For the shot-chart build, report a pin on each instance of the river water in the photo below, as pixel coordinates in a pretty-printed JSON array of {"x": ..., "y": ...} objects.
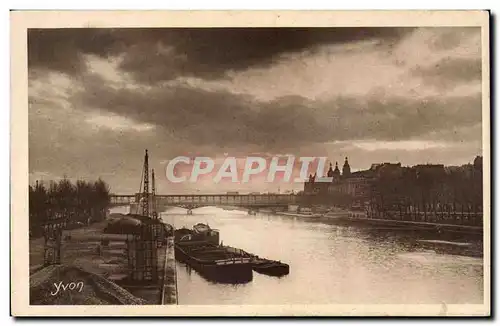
[{"x": 328, "y": 264}]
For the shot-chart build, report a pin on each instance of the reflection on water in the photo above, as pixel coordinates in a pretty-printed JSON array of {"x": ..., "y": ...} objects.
[{"x": 328, "y": 264}]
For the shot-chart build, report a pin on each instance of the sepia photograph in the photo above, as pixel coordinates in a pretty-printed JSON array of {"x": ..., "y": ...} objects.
[{"x": 321, "y": 163}]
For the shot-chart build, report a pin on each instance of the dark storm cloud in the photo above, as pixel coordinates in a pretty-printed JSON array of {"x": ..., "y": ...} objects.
[
  {"x": 202, "y": 52},
  {"x": 449, "y": 72},
  {"x": 224, "y": 119},
  {"x": 451, "y": 37},
  {"x": 61, "y": 49}
]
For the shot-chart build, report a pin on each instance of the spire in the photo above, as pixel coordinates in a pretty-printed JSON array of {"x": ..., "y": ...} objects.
[
  {"x": 336, "y": 172},
  {"x": 346, "y": 169},
  {"x": 330, "y": 171}
]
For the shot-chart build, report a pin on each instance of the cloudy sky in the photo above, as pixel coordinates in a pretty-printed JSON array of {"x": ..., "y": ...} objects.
[{"x": 99, "y": 97}]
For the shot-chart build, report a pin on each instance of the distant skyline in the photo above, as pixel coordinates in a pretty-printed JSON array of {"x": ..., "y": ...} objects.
[{"x": 99, "y": 97}]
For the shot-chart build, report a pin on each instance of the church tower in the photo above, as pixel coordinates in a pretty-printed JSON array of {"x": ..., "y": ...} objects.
[
  {"x": 336, "y": 172},
  {"x": 346, "y": 169},
  {"x": 330, "y": 171}
]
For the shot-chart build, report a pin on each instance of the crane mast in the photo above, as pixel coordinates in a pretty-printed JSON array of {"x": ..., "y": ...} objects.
[
  {"x": 154, "y": 213},
  {"x": 145, "y": 193}
]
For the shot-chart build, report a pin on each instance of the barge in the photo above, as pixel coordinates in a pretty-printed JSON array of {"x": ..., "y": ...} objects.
[
  {"x": 270, "y": 267},
  {"x": 199, "y": 249},
  {"x": 262, "y": 265},
  {"x": 199, "y": 233}
]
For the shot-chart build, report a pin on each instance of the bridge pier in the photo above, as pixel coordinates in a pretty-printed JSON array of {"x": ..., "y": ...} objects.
[
  {"x": 253, "y": 211},
  {"x": 189, "y": 211}
]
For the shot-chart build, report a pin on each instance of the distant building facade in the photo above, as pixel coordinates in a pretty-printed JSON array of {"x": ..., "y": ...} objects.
[
  {"x": 390, "y": 187},
  {"x": 345, "y": 189}
]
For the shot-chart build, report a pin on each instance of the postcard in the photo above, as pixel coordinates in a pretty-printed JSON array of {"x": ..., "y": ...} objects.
[{"x": 250, "y": 163}]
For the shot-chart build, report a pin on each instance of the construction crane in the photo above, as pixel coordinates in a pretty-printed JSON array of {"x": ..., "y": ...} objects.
[{"x": 142, "y": 248}]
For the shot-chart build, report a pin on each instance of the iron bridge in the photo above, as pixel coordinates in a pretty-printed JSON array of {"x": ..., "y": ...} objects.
[{"x": 200, "y": 200}]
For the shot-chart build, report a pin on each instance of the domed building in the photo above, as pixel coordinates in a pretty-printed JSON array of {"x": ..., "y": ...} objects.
[
  {"x": 391, "y": 191},
  {"x": 344, "y": 188}
]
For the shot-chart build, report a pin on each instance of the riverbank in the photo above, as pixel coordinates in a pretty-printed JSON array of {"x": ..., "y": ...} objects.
[
  {"x": 82, "y": 251},
  {"x": 448, "y": 232},
  {"x": 415, "y": 224},
  {"x": 294, "y": 214},
  {"x": 361, "y": 218},
  {"x": 169, "y": 293}
]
